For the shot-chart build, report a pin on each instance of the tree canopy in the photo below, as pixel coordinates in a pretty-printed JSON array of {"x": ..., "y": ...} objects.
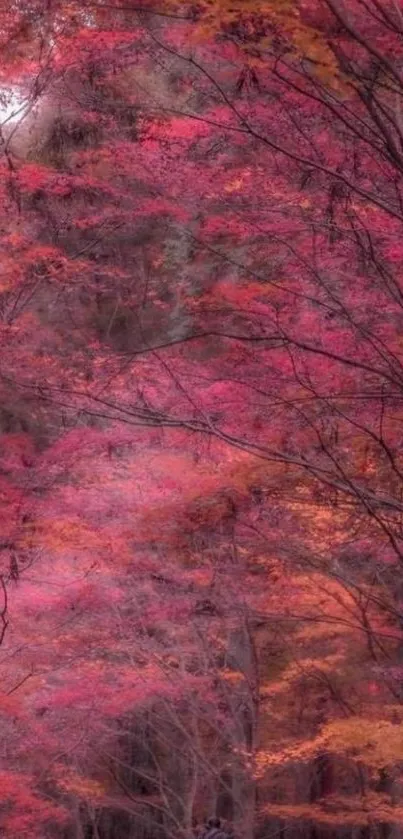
[{"x": 200, "y": 421}]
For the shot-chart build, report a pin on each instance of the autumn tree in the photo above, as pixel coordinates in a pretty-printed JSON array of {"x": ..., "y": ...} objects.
[{"x": 201, "y": 375}]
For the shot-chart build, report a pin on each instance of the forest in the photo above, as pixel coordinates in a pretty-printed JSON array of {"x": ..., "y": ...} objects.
[{"x": 201, "y": 424}]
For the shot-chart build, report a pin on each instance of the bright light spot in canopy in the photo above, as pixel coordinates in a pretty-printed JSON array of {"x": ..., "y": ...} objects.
[{"x": 13, "y": 104}]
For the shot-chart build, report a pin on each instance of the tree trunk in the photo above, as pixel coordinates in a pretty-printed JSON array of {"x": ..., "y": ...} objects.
[{"x": 242, "y": 658}]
